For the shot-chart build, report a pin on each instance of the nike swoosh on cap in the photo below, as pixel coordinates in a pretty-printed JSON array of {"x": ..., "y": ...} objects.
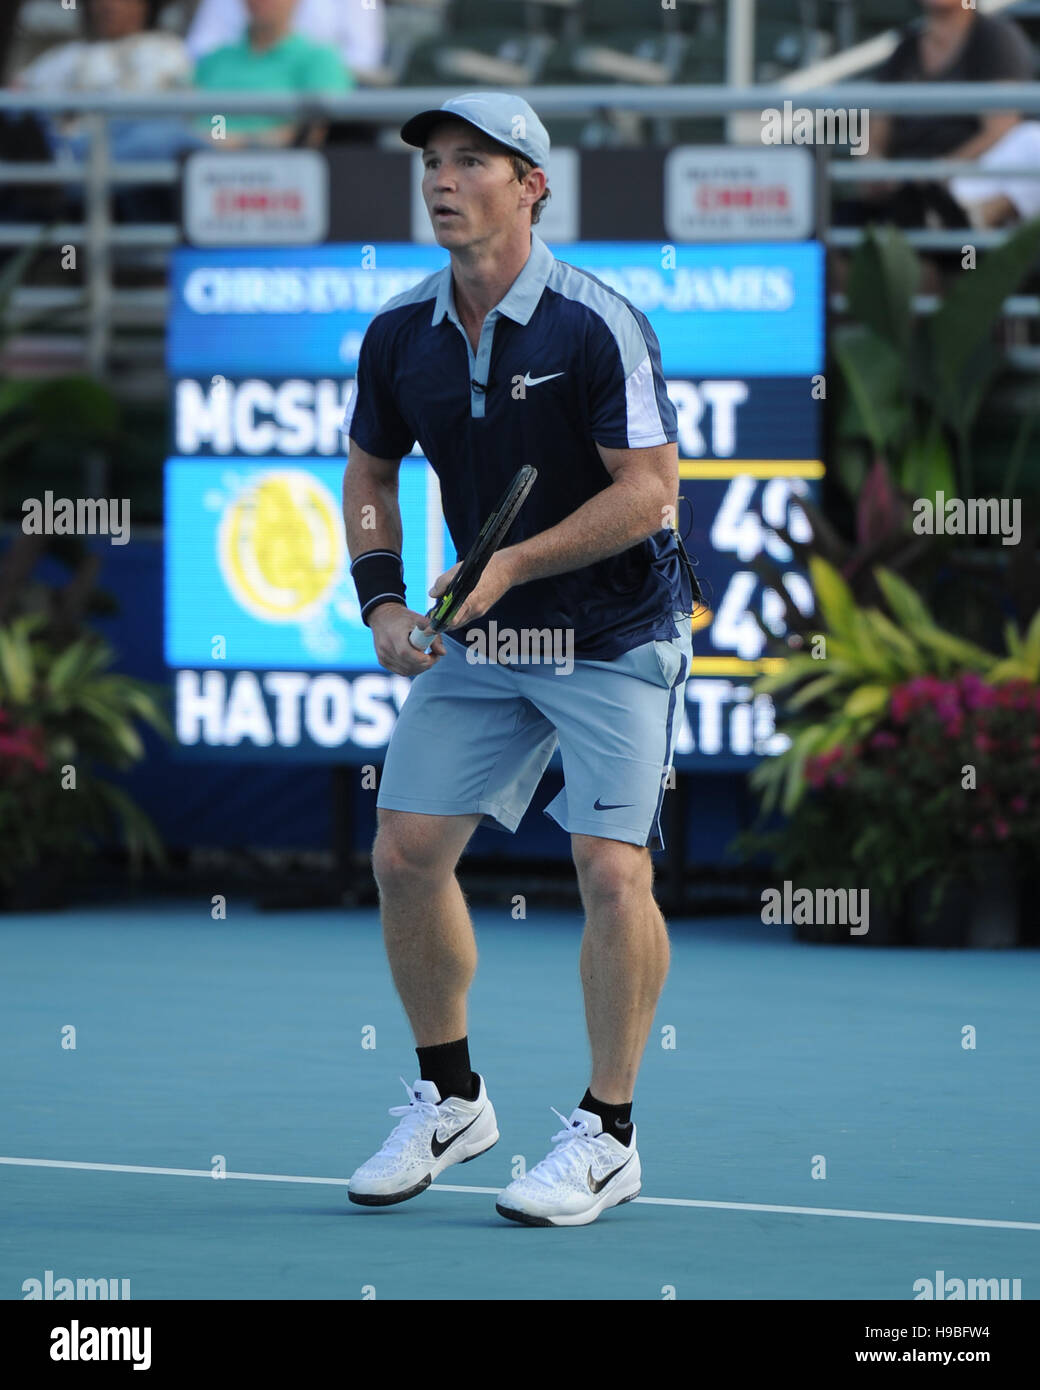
[
  {"x": 597, "y": 805},
  {"x": 530, "y": 380},
  {"x": 438, "y": 1146},
  {"x": 598, "y": 1186}
]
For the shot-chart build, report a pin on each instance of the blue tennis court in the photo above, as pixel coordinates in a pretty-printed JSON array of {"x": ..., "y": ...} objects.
[{"x": 243, "y": 1039}]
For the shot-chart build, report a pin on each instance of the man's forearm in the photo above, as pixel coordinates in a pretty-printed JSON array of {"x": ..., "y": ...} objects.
[
  {"x": 617, "y": 518},
  {"x": 371, "y": 514}
]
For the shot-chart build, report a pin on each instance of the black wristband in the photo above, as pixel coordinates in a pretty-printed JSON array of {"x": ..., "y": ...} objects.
[{"x": 379, "y": 578}]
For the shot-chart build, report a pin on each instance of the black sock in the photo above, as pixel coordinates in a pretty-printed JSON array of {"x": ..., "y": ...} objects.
[
  {"x": 617, "y": 1119},
  {"x": 447, "y": 1066}
]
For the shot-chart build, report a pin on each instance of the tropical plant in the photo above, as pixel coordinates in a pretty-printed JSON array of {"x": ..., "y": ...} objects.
[
  {"x": 65, "y": 718},
  {"x": 839, "y": 689},
  {"x": 914, "y": 385},
  {"x": 972, "y": 591},
  {"x": 948, "y": 779}
]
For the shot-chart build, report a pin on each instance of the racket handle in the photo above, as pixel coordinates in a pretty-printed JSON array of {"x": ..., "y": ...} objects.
[{"x": 421, "y": 638}]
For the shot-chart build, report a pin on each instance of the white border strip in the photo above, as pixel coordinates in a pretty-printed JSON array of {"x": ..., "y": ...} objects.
[{"x": 493, "y": 1191}]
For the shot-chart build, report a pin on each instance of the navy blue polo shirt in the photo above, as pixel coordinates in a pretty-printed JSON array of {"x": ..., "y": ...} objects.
[{"x": 565, "y": 362}]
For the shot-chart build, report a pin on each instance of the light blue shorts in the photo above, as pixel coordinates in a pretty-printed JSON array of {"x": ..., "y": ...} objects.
[{"x": 478, "y": 735}]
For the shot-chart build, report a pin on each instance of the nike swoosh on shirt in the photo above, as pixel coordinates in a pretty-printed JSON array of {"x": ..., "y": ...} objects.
[
  {"x": 598, "y": 1186},
  {"x": 438, "y": 1146},
  {"x": 597, "y": 805},
  {"x": 530, "y": 380}
]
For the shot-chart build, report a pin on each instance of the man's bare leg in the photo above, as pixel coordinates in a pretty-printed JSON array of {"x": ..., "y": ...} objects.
[
  {"x": 433, "y": 957},
  {"x": 624, "y": 960},
  {"x": 426, "y": 924}
]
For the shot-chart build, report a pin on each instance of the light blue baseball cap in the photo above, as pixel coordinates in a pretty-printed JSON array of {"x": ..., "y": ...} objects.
[{"x": 505, "y": 117}]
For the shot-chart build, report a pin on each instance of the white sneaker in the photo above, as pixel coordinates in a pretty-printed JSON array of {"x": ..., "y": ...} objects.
[
  {"x": 586, "y": 1172},
  {"x": 432, "y": 1135}
]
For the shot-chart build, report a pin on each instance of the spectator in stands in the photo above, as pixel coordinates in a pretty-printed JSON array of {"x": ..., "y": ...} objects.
[
  {"x": 120, "y": 52},
  {"x": 954, "y": 44},
  {"x": 270, "y": 57},
  {"x": 356, "y": 27}
]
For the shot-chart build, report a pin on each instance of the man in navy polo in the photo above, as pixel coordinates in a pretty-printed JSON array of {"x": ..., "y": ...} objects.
[{"x": 510, "y": 357}]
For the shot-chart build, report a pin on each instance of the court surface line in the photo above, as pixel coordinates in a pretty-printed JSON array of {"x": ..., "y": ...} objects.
[{"x": 493, "y": 1191}]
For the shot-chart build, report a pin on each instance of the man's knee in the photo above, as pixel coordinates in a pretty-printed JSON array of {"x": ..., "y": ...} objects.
[
  {"x": 610, "y": 870},
  {"x": 411, "y": 850},
  {"x": 401, "y": 858}
]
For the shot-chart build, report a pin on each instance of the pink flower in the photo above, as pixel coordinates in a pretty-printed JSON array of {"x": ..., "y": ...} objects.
[
  {"x": 24, "y": 745},
  {"x": 884, "y": 739},
  {"x": 1011, "y": 695},
  {"x": 1018, "y": 804},
  {"x": 1001, "y": 829},
  {"x": 977, "y": 694}
]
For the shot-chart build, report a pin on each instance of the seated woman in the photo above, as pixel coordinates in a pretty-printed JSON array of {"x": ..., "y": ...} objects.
[
  {"x": 954, "y": 43},
  {"x": 270, "y": 57},
  {"x": 951, "y": 43}
]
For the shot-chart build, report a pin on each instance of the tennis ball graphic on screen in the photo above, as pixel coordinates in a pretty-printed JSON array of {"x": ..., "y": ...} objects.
[{"x": 280, "y": 545}]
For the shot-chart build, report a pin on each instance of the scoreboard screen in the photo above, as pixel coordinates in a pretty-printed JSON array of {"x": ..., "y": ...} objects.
[{"x": 268, "y": 654}]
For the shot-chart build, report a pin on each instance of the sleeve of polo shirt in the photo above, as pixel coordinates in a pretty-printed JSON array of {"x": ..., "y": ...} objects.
[
  {"x": 629, "y": 406},
  {"x": 372, "y": 417}
]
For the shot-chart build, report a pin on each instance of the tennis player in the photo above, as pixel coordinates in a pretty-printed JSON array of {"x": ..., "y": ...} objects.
[{"x": 509, "y": 357}]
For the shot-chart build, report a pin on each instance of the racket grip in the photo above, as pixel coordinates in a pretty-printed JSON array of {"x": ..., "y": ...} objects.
[{"x": 421, "y": 638}]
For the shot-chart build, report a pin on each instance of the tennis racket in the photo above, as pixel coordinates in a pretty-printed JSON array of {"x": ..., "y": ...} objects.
[{"x": 467, "y": 576}]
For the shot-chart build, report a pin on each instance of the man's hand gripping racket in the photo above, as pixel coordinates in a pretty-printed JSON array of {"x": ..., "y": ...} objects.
[{"x": 468, "y": 574}]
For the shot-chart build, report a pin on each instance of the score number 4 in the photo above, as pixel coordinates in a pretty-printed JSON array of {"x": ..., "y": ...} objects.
[{"x": 746, "y": 532}]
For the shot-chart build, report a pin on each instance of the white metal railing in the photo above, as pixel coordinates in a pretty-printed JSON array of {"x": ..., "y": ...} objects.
[{"x": 104, "y": 307}]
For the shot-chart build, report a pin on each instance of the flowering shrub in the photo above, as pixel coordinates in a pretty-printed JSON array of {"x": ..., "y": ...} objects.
[
  {"x": 66, "y": 722},
  {"x": 26, "y": 815},
  {"x": 961, "y": 752},
  {"x": 948, "y": 775},
  {"x": 21, "y": 749}
]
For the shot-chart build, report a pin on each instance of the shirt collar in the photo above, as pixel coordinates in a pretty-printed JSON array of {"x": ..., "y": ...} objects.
[{"x": 519, "y": 301}]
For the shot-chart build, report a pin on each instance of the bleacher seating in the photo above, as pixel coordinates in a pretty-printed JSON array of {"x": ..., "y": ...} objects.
[
  {"x": 528, "y": 42},
  {"x": 531, "y": 42},
  {"x": 523, "y": 44}
]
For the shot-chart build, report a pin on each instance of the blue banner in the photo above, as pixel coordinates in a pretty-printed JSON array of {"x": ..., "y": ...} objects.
[{"x": 744, "y": 311}]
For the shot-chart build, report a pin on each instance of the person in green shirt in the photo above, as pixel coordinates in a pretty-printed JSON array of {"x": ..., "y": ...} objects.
[{"x": 270, "y": 58}]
